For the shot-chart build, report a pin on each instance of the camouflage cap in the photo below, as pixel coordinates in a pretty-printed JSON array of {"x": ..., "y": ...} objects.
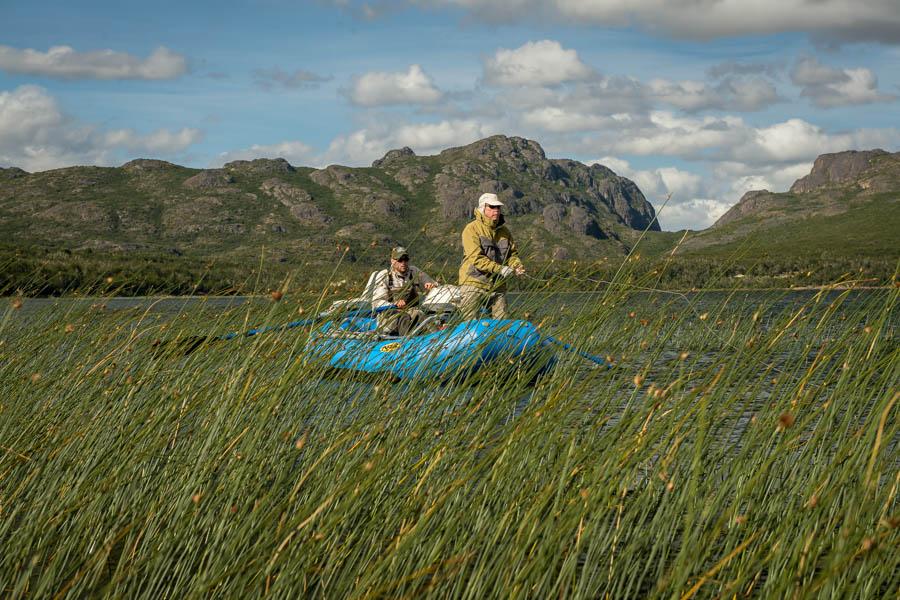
[{"x": 399, "y": 252}]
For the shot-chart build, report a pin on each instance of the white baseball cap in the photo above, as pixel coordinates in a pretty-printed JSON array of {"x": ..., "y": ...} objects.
[{"x": 488, "y": 198}]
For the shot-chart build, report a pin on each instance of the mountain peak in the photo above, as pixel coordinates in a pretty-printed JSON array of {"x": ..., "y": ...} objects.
[
  {"x": 861, "y": 173},
  {"x": 837, "y": 168}
]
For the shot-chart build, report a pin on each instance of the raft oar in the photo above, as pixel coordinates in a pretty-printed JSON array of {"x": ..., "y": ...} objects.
[
  {"x": 189, "y": 344},
  {"x": 597, "y": 360},
  {"x": 312, "y": 321}
]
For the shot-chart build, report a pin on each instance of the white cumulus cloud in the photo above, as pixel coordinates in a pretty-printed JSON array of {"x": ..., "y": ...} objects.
[
  {"x": 36, "y": 135},
  {"x": 367, "y": 144},
  {"x": 540, "y": 63},
  {"x": 696, "y": 213},
  {"x": 828, "y": 87},
  {"x": 393, "y": 89},
  {"x": 64, "y": 62},
  {"x": 732, "y": 94}
]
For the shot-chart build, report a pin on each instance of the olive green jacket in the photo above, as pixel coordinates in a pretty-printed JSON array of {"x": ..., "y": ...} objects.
[{"x": 487, "y": 246}]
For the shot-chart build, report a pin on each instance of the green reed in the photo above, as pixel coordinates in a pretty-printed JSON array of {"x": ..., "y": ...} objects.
[{"x": 742, "y": 446}]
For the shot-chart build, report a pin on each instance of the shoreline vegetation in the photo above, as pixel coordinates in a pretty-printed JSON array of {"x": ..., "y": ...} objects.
[
  {"x": 741, "y": 446},
  {"x": 34, "y": 275}
]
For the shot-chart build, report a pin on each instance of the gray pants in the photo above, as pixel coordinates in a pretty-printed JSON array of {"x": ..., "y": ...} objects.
[
  {"x": 399, "y": 321},
  {"x": 473, "y": 298}
]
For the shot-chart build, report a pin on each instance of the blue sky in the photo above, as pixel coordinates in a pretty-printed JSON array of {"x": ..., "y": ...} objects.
[{"x": 702, "y": 101}]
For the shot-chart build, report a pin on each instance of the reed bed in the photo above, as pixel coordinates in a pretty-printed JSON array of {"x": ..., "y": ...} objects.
[{"x": 743, "y": 445}]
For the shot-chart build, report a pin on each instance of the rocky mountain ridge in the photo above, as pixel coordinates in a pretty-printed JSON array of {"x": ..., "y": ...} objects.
[
  {"x": 563, "y": 208},
  {"x": 836, "y": 181}
]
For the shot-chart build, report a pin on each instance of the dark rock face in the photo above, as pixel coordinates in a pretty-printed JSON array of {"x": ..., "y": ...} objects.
[
  {"x": 518, "y": 171},
  {"x": 624, "y": 199},
  {"x": 837, "y": 168},
  {"x": 456, "y": 197},
  {"x": 211, "y": 178},
  {"x": 560, "y": 219}
]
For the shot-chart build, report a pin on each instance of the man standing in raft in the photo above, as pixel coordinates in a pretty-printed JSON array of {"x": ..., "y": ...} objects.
[{"x": 490, "y": 256}]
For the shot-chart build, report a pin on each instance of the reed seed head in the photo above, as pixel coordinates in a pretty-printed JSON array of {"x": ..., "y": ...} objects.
[{"x": 785, "y": 420}]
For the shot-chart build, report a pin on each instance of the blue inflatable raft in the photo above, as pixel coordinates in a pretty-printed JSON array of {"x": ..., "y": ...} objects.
[
  {"x": 344, "y": 338},
  {"x": 457, "y": 350}
]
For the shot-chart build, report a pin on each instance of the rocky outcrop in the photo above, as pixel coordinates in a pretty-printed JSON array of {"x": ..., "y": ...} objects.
[
  {"x": 563, "y": 220},
  {"x": 298, "y": 201},
  {"x": 623, "y": 199},
  {"x": 139, "y": 165},
  {"x": 527, "y": 182},
  {"x": 260, "y": 166},
  {"x": 12, "y": 173},
  {"x": 833, "y": 180},
  {"x": 837, "y": 169},
  {"x": 209, "y": 179},
  {"x": 752, "y": 202},
  {"x": 393, "y": 156},
  {"x": 358, "y": 192},
  {"x": 514, "y": 154}
]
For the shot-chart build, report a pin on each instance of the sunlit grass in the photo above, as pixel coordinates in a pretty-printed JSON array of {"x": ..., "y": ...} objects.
[{"x": 743, "y": 445}]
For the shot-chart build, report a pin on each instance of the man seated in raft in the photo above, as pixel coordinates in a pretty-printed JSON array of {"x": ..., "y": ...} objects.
[{"x": 401, "y": 285}]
